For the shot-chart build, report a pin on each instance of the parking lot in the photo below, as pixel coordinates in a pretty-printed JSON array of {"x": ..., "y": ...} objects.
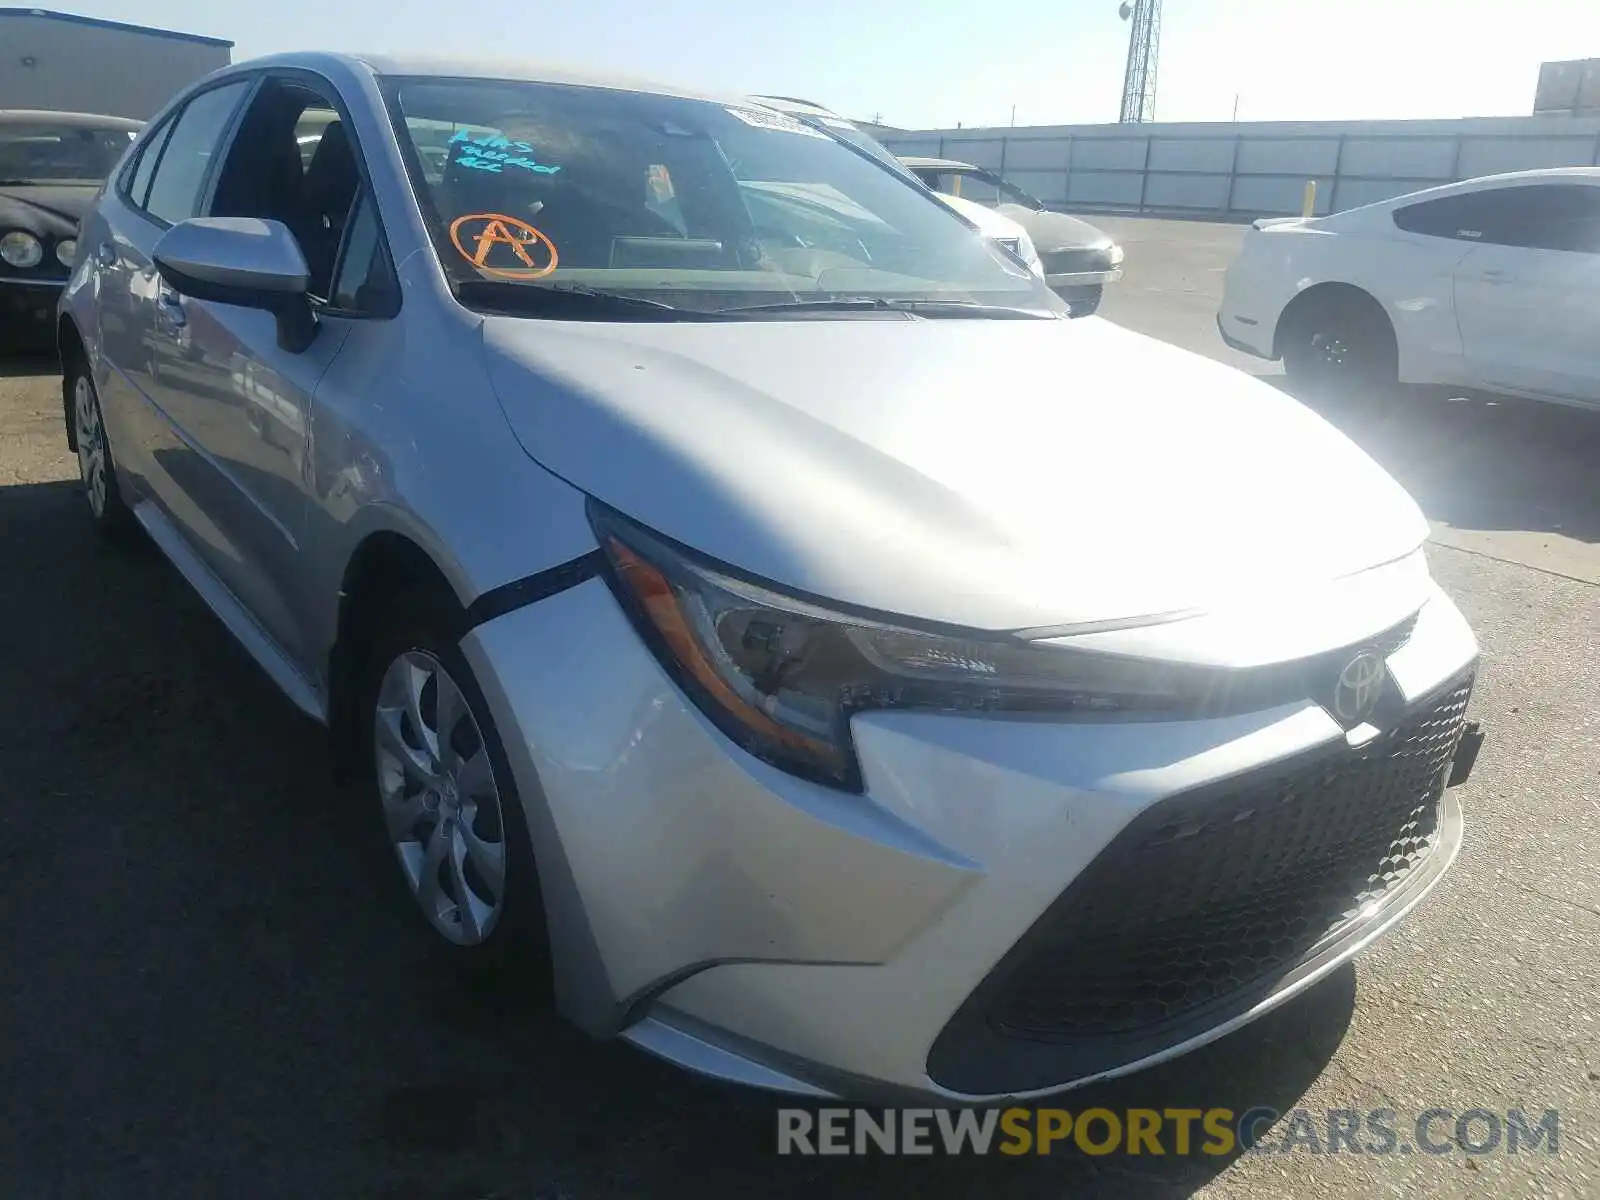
[{"x": 210, "y": 991}]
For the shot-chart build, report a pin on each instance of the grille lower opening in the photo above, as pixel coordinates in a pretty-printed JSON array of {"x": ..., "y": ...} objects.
[{"x": 1204, "y": 896}]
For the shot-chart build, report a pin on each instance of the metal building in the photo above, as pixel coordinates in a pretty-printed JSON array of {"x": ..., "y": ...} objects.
[
  {"x": 68, "y": 63},
  {"x": 1569, "y": 88}
]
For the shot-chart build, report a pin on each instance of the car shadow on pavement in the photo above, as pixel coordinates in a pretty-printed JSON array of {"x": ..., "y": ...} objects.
[
  {"x": 1480, "y": 461},
  {"x": 16, "y": 363},
  {"x": 214, "y": 983}
]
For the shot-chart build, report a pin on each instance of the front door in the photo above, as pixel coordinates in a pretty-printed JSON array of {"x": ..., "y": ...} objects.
[
  {"x": 239, "y": 399},
  {"x": 1528, "y": 301}
]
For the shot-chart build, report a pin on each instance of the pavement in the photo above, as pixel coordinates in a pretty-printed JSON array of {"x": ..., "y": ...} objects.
[{"x": 211, "y": 988}]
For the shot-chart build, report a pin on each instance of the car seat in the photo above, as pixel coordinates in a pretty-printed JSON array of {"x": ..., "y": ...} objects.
[{"x": 327, "y": 194}]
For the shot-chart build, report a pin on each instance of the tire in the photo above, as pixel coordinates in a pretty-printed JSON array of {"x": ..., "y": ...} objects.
[
  {"x": 97, "y": 467},
  {"x": 1085, "y": 301},
  {"x": 1341, "y": 347},
  {"x": 448, "y": 806}
]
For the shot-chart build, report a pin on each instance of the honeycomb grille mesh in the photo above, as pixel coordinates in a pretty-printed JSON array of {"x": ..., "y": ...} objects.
[{"x": 1205, "y": 895}]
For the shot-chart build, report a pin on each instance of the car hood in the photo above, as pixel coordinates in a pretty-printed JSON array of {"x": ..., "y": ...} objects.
[
  {"x": 1056, "y": 231},
  {"x": 991, "y": 474},
  {"x": 51, "y": 210}
]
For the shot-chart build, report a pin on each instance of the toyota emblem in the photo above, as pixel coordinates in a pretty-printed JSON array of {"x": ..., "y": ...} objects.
[{"x": 1358, "y": 688}]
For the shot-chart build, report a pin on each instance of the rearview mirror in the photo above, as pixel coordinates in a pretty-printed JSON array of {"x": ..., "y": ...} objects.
[{"x": 245, "y": 261}]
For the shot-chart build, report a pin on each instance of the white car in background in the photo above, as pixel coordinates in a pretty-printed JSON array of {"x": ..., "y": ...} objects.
[
  {"x": 1076, "y": 259},
  {"x": 1491, "y": 284},
  {"x": 998, "y": 229}
]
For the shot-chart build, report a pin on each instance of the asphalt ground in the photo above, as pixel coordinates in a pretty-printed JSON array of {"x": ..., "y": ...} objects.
[{"x": 209, "y": 988}]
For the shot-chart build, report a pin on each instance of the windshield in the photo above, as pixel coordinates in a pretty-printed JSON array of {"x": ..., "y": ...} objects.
[
  {"x": 975, "y": 183},
  {"x": 684, "y": 202},
  {"x": 59, "y": 153},
  {"x": 849, "y": 133}
]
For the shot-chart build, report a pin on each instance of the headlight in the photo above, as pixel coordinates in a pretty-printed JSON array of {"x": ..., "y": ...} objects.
[
  {"x": 21, "y": 249},
  {"x": 781, "y": 675},
  {"x": 67, "y": 251},
  {"x": 1116, "y": 255},
  {"x": 1029, "y": 254}
]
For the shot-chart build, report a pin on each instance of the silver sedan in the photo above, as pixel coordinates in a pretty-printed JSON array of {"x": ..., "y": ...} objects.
[{"x": 744, "y": 595}]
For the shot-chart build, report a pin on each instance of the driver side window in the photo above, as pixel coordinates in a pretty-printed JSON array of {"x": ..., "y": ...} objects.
[{"x": 293, "y": 161}]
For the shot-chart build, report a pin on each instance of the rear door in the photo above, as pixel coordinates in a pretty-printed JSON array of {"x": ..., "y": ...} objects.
[
  {"x": 138, "y": 314},
  {"x": 115, "y": 241},
  {"x": 1528, "y": 292},
  {"x": 119, "y": 241}
]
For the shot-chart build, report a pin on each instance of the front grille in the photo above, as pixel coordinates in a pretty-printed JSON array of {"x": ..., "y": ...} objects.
[
  {"x": 1390, "y": 640},
  {"x": 1207, "y": 894}
]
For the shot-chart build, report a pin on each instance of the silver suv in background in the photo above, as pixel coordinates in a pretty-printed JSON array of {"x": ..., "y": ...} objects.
[
  {"x": 1078, "y": 259},
  {"x": 998, "y": 228}
]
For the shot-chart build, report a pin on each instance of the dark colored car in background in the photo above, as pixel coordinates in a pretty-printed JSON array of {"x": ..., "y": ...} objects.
[
  {"x": 51, "y": 167},
  {"x": 1078, "y": 259}
]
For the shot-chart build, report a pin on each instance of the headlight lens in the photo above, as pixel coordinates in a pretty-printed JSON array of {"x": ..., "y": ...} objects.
[
  {"x": 67, "y": 251},
  {"x": 781, "y": 676},
  {"x": 1116, "y": 255},
  {"x": 21, "y": 250},
  {"x": 1029, "y": 254}
]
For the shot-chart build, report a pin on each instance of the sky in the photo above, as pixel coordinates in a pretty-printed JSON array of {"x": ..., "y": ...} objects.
[{"x": 936, "y": 63}]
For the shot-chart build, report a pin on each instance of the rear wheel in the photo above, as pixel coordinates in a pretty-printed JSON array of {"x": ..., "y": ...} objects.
[
  {"x": 449, "y": 806},
  {"x": 1340, "y": 346},
  {"x": 96, "y": 467}
]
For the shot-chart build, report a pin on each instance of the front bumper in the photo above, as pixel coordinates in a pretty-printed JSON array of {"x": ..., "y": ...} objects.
[
  {"x": 1084, "y": 278},
  {"x": 1248, "y": 339},
  {"x": 28, "y": 308},
  {"x": 756, "y": 927}
]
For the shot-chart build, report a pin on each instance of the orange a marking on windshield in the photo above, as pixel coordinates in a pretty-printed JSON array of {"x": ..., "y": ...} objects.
[{"x": 485, "y": 231}]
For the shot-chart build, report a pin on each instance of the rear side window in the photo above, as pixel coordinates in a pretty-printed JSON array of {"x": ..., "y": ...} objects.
[
  {"x": 1546, "y": 216},
  {"x": 149, "y": 155},
  {"x": 191, "y": 147},
  {"x": 1473, "y": 217}
]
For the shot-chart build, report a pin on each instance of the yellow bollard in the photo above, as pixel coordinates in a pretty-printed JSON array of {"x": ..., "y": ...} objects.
[{"x": 1309, "y": 205}]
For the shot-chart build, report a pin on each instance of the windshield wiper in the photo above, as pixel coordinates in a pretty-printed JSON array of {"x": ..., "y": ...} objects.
[
  {"x": 949, "y": 309},
  {"x": 571, "y": 301}
]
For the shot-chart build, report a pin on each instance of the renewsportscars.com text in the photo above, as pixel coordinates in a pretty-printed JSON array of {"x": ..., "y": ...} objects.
[{"x": 1170, "y": 1131}]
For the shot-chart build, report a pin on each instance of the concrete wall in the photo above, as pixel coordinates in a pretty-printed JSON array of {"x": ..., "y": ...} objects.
[
  {"x": 80, "y": 66},
  {"x": 1251, "y": 169}
]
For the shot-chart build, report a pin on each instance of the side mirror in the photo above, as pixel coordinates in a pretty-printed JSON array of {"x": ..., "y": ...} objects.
[{"x": 245, "y": 261}]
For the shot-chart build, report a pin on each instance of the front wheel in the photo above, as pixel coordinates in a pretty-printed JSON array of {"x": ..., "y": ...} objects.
[
  {"x": 449, "y": 806},
  {"x": 1084, "y": 301}
]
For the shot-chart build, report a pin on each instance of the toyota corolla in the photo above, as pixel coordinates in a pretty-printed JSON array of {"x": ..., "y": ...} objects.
[{"x": 742, "y": 591}]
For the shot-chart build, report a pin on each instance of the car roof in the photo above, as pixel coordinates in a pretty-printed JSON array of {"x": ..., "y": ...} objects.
[
  {"x": 1511, "y": 178},
  {"x": 937, "y": 164},
  {"x": 1586, "y": 173},
  {"x": 71, "y": 120},
  {"x": 520, "y": 70},
  {"x": 1480, "y": 183}
]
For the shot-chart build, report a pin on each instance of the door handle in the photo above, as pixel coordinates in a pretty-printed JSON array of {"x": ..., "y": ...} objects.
[
  {"x": 106, "y": 255},
  {"x": 1496, "y": 275},
  {"x": 169, "y": 310}
]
